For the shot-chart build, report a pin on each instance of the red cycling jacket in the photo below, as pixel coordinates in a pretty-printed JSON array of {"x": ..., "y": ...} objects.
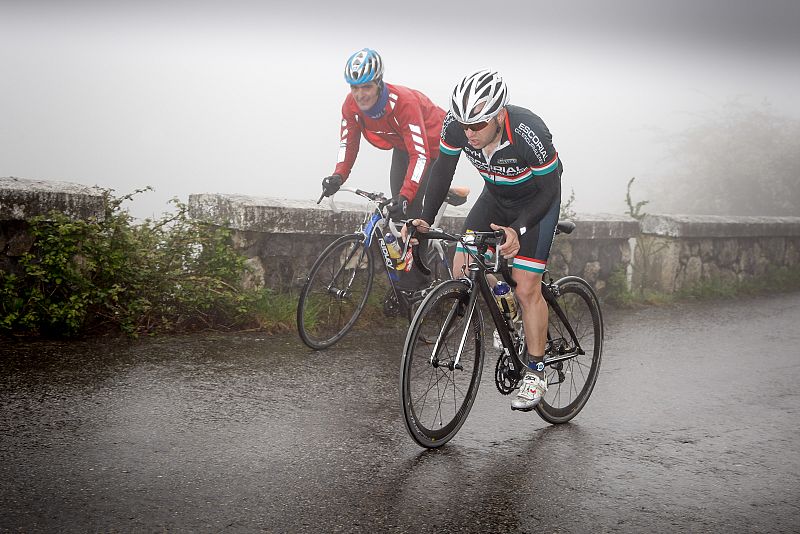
[{"x": 411, "y": 123}]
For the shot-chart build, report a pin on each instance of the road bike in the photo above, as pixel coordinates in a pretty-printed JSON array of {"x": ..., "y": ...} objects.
[
  {"x": 443, "y": 354},
  {"x": 341, "y": 279}
]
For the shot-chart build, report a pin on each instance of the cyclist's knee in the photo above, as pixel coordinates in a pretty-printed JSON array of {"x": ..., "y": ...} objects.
[{"x": 528, "y": 287}]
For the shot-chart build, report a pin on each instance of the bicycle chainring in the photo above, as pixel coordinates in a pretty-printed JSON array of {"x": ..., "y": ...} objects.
[
  {"x": 391, "y": 307},
  {"x": 506, "y": 377}
]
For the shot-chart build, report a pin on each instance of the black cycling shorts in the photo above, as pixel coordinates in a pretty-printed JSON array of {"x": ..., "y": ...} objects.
[{"x": 534, "y": 244}]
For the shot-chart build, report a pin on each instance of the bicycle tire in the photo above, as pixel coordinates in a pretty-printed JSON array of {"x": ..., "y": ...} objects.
[
  {"x": 437, "y": 397},
  {"x": 335, "y": 292},
  {"x": 570, "y": 386}
]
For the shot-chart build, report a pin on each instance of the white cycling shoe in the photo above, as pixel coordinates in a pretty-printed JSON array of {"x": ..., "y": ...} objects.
[{"x": 530, "y": 393}]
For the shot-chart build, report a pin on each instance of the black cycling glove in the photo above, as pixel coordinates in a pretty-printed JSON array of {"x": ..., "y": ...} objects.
[
  {"x": 397, "y": 208},
  {"x": 331, "y": 184}
]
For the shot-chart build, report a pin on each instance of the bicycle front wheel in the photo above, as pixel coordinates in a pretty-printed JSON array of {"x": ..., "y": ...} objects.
[
  {"x": 335, "y": 292},
  {"x": 439, "y": 382},
  {"x": 570, "y": 381}
]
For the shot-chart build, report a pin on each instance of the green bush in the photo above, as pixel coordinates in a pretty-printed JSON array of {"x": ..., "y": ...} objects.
[
  {"x": 99, "y": 275},
  {"x": 617, "y": 292}
]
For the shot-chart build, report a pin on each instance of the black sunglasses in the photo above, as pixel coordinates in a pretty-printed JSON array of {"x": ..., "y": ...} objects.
[{"x": 475, "y": 127}]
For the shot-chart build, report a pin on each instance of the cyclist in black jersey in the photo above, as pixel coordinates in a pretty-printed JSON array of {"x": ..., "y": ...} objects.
[{"x": 513, "y": 151}]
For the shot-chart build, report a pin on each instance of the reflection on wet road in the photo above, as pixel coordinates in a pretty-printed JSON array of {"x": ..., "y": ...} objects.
[{"x": 693, "y": 425}]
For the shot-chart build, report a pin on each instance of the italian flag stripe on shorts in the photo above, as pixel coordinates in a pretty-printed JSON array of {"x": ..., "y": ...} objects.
[{"x": 529, "y": 264}]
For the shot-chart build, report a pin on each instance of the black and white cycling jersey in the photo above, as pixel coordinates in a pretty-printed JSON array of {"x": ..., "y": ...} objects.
[{"x": 524, "y": 169}]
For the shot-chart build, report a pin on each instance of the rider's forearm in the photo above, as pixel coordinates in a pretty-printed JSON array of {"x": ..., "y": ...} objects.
[
  {"x": 549, "y": 189},
  {"x": 417, "y": 145},
  {"x": 348, "y": 146},
  {"x": 414, "y": 173},
  {"x": 438, "y": 184},
  {"x": 344, "y": 167}
]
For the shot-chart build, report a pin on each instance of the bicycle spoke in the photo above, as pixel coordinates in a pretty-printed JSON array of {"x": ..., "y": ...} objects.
[{"x": 440, "y": 376}]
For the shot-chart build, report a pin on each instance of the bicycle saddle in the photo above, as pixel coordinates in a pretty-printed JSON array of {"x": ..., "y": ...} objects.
[{"x": 565, "y": 227}]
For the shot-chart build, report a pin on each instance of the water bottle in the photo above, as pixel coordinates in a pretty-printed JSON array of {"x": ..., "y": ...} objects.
[
  {"x": 505, "y": 299},
  {"x": 395, "y": 251}
]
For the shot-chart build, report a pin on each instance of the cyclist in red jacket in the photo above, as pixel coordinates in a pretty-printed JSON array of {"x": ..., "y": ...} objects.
[{"x": 390, "y": 117}]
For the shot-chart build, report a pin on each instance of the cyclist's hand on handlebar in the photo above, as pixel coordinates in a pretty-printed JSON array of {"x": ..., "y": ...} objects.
[
  {"x": 397, "y": 208},
  {"x": 331, "y": 184},
  {"x": 510, "y": 245},
  {"x": 420, "y": 225}
]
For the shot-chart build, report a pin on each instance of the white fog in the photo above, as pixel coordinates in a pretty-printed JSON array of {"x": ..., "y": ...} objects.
[{"x": 240, "y": 97}]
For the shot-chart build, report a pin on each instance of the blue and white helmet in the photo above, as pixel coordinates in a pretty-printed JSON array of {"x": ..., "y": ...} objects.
[
  {"x": 363, "y": 67},
  {"x": 481, "y": 87}
]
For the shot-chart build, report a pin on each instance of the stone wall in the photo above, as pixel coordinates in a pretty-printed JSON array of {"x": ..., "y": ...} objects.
[
  {"x": 665, "y": 253},
  {"x": 676, "y": 252},
  {"x": 282, "y": 238},
  {"x": 22, "y": 199}
]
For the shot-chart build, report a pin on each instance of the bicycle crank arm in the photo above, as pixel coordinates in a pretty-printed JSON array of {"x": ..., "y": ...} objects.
[{"x": 562, "y": 357}]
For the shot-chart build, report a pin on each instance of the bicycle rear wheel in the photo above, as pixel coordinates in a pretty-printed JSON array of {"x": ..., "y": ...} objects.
[
  {"x": 570, "y": 382},
  {"x": 335, "y": 292},
  {"x": 437, "y": 392}
]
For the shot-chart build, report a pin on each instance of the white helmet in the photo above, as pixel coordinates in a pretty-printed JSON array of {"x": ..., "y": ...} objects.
[{"x": 481, "y": 87}]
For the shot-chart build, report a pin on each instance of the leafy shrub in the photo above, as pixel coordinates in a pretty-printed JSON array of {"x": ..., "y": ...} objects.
[{"x": 170, "y": 274}]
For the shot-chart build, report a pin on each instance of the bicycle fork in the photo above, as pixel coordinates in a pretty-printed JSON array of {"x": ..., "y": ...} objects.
[
  {"x": 354, "y": 265},
  {"x": 450, "y": 320}
]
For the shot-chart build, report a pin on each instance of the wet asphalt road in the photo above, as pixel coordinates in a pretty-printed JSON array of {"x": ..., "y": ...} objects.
[{"x": 693, "y": 426}]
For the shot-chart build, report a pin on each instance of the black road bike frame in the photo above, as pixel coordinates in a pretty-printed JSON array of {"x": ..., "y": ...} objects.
[{"x": 478, "y": 269}]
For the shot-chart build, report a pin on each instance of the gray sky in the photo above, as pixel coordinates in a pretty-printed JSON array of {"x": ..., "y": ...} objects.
[{"x": 241, "y": 97}]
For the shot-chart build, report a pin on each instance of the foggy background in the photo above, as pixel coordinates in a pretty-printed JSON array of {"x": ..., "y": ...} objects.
[{"x": 245, "y": 97}]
